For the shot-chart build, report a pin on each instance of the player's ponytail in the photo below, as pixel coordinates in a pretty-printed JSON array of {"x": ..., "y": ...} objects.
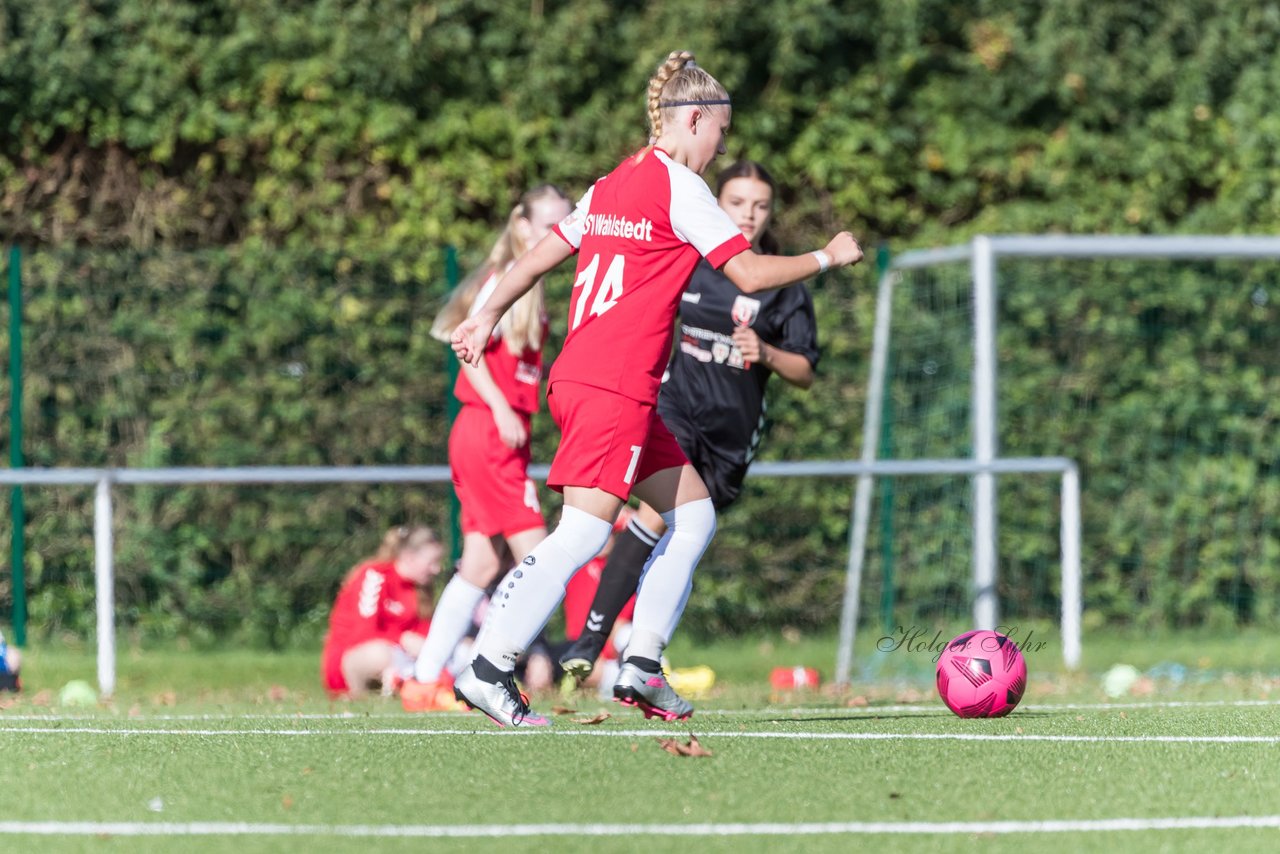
[
  {"x": 522, "y": 325},
  {"x": 679, "y": 82}
]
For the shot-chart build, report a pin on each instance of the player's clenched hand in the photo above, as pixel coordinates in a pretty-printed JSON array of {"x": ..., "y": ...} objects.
[
  {"x": 748, "y": 344},
  {"x": 843, "y": 250},
  {"x": 510, "y": 427},
  {"x": 469, "y": 339}
]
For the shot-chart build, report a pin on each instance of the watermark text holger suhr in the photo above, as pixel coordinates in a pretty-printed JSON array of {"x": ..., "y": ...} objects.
[{"x": 918, "y": 639}]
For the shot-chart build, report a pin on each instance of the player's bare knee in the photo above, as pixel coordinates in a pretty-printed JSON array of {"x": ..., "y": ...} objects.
[{"x": 479, "y": 571}]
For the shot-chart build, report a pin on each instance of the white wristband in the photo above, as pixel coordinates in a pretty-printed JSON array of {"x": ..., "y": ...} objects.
[{"x": 824, "y": 260}]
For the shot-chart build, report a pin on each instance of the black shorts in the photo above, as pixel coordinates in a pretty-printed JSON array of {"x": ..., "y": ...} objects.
[{"x": 722, "y": 477}]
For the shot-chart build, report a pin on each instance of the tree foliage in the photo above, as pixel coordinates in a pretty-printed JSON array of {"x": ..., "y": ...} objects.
[{"x": 240, "y": 207}]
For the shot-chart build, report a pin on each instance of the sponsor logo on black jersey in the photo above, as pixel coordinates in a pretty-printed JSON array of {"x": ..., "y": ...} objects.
[{"x": 745, "y": 310}]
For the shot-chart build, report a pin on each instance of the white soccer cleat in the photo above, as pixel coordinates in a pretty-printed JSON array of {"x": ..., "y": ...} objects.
[
  {"x": 651, "y": 693},
  {"x": 501, "y": 701}
]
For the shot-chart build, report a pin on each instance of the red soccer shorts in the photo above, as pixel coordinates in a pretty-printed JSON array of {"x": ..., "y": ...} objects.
[
  {"x": 492, "y": 480},
  {"x": 608, "y": 441}
]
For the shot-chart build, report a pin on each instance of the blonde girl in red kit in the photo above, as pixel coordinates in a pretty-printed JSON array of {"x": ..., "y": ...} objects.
[
  {"x": 639, "y": 232},
  {"x": 489, "y": 442},
  {"x": 377, "y": 625}
]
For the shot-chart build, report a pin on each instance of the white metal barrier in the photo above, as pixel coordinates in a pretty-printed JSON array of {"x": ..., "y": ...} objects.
[{"x": 104, "y": 479}]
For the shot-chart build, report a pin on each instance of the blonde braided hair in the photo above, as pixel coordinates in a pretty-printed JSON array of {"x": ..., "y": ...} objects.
[{"x": 678, "y": 82}]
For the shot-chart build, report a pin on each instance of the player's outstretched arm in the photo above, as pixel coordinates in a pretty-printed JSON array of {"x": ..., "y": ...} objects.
[
  {"x": 752, "y": 272},
  {"x": 471, "y": 336}
]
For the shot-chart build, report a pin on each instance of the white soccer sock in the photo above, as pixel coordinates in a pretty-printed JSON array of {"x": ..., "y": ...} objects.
[
  {"x": 530, "y": 593},
  {"x": 668, "y": 577},
  {"x": 449, "y": 625}
]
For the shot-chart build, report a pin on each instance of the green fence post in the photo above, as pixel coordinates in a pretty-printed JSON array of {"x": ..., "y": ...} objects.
[
  {"x": 885, "y": 452},
  {"x": 452, "y": 276},
  {"x": 17, "y": 508}
]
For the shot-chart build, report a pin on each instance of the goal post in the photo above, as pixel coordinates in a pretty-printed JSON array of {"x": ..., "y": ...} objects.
[
  {"x": 1051, "y": 370},
  {"x": 1069, "y": 537}
]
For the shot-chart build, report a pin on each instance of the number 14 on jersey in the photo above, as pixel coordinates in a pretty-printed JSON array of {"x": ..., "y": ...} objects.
[{"x": 606, "y": 296}]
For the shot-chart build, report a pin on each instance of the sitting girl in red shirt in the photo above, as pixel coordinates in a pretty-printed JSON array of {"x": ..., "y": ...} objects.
[{"x": 377, "y": 624}]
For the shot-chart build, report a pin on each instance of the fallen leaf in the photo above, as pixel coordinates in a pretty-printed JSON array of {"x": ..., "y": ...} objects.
[
  {"x": 675, "y": 748},
  {"x": 277, "y": 693},
  {"x": 598, "y": 719},
  {"x": 696, "y": 748},
  {"x": 670, "y": 745},
  {"x": 287, "y": 802},
  {"x": 895, "y": 795},
  {"x": 634, "y": 747},
  {"x": 856, "y": 702},
  {"x": 562, "y": 710},
  {"x": 165, "y": 698}
]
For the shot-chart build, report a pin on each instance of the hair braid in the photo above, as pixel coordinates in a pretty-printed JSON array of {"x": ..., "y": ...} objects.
[{"x": 673, "y": 65}]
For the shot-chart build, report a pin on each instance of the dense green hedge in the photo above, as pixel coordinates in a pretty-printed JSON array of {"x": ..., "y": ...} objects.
[
  {"x": 260, "y": 193},
  {"x": 394, "y": 124},
  {"x": 219, "y": 357}
]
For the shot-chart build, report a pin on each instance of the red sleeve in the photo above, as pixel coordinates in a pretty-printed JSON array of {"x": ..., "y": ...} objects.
[{"x": 720, "y": 256}]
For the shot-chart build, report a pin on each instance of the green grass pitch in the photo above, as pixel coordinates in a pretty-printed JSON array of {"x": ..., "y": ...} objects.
[{"x": 237, "y": 751}]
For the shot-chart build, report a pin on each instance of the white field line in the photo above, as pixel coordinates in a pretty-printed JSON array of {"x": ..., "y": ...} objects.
[
  {"x": 659, "y": 733},
  {"x": 772, "y": 711},
  {"x": 108, "y": 828}
]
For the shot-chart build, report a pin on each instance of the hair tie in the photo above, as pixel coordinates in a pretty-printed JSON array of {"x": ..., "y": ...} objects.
[{"x": 699, "y": 103}]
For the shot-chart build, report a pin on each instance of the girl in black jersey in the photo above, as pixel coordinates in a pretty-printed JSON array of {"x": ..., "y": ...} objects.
[{"x": 713, "y": 397}]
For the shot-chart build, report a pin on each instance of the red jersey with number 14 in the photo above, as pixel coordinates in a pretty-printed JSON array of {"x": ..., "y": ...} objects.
[{"x": 639, "y": 233}]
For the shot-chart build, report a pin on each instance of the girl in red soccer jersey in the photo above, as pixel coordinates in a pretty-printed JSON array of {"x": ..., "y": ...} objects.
[
  {"x": 489, "y": 443},
  {"x": 713, "y": 398},
  {"x": 639, "y": 233},
  {"x": 376, "y": 626}
]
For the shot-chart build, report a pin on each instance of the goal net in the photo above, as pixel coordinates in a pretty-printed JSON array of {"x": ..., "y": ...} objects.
[{"x": 1151, "y": 362}]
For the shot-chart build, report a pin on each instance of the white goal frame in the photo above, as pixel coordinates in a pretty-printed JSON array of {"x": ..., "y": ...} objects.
[{"x": 983, "y": 254}]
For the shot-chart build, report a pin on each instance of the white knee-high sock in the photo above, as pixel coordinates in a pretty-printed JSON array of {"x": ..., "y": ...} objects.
[
  {"x": 668, "y": 577},
  {"x": 530, "y": 593},
  {"x": 449, "y": 625}
]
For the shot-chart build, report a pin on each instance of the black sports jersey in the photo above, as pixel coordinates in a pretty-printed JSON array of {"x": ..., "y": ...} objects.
[{"x": 707, "y": 382}]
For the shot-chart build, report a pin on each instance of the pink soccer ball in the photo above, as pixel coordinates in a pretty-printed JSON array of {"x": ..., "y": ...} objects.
[{"x": 981, "y": 674}]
